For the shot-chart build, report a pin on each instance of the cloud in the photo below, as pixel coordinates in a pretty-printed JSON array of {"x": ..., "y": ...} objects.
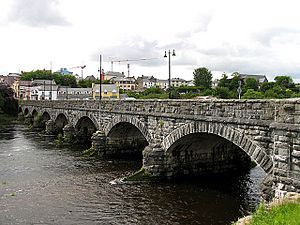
[
  {"x": 267, "y": 36},
  {"x": 36, "y": 13},
  {"x": 200, "y": 24},
  {"x": 136, "y": 49}
]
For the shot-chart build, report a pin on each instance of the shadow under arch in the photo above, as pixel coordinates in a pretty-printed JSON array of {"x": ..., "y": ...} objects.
[
  {"x": 127, "y": 136},
  {"x": 131, "y": 120},
  {"x": 60, "y": 122},
  {"x": 219, "y": 132},
  {"x": 85, "y": 127}
]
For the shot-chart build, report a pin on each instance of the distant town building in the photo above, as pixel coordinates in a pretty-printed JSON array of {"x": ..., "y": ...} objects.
[
  {"x": 110, "y": 74},
  {"x": 65, "y": 92},
  {"x": 145, "y": 82},
  {"x": 43, "y": 90},
  {"x": 125, "y": 83},
  {"x": 90, "y": 78},
  {"x": 64, "y": 71},
  {"x": 258, "y": 78},
  {"x": 177, "y": 82},
  {"x": 163, "y": 84},
  {"x": 24, "y": 90},
  {"x": 108, "y": 91}
]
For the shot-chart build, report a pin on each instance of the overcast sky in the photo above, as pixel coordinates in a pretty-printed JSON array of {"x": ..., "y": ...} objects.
[{"x": 247, "y": 36}]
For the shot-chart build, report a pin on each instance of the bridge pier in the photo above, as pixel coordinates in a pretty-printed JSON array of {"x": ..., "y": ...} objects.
[
  {"x": 68, "y": 132},
  {"x": 286, "y": 156},
  {"x": 117, "y": 146},
  {"x": 99, "y": 140},
  {"x": 154, "y": 160},
  {"x": 50, "y": 127},
  {"x": 28, "y": 119}
]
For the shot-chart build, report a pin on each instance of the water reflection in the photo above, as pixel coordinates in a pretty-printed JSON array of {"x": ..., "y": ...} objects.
[{"x": 43, "y": 184}]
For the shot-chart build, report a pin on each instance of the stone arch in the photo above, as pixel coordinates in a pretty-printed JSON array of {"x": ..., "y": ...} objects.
[
  {"x": 255, "y": 152},
  {"x": 26, "y": 111},
  {"x": 85, "y": 128},
  {"x": 86, "y": 119},
  {"x": 132, "y": 120},
  {"x": 46, "y": 116},
  {"x": 60, "y": 121},
  {"x": 34, "y": 113}
]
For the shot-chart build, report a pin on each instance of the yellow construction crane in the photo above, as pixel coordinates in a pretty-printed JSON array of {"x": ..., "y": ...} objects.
[{"x": 129, "y": 60}]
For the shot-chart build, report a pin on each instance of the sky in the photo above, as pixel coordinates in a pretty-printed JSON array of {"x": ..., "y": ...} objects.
[{"x": 245, "y": 36}]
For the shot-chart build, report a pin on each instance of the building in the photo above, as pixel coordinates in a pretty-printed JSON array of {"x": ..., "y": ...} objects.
[
  {"x": 64, "y": 71},
  {"x": 125, "y": 83},
  {"x": 43, "y": 90},
  {"x": 23, "y": 90},
  {"x": 259, "y": 78},
  {"x": 177, "y": 82},
  {"x": 108, "y": 91},
  {"x": 90, "y": 78},
  {"x": 65, "y": 92},
  {"x": 110, "y": 74},
  {"x": 163, "y": 84},
  {"x": 145, "y": 82}
]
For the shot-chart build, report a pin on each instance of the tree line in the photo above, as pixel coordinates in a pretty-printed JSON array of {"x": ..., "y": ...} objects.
[
  {"x": 249, "y": 88},
  {"x": 227, "y": 87},
  {"x": 60, "y": 79}
]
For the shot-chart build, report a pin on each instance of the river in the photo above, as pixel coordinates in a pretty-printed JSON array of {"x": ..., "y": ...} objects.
[{"x": 43, "y": 184}]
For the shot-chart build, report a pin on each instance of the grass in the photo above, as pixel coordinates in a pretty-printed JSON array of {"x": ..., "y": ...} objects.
[
  {"x": 89, "y": 152},
  {"x": 140, "y": 175},
  {"x": 285, "y": 214}
]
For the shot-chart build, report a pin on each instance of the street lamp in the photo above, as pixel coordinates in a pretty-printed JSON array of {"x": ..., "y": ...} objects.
[
  {"x": 100, "y": 70},
  {"x": 169, "y": 54}
]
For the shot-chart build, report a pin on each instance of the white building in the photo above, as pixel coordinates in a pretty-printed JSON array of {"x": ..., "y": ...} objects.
[{"x": 43, "y": 90}]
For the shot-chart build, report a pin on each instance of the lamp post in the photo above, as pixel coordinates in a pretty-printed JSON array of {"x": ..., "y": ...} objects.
[
  {"x": 100, "y": 71},
  {"x": 169, "y": 54}
]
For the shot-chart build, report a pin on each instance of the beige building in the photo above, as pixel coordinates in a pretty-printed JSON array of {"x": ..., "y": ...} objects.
[
  {"x": 108, "y": 91},
  {"x": 125, "y": 83}
]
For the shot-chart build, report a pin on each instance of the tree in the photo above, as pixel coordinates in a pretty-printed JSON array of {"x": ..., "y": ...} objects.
[
  {"x": 203, "y": 77},
  {"x": 63, "y": 80},
  {"x": 252, "y": 94},
  {"x": 251, "y": 83},
  {"x": 7, "y": 101},
  {"x": 222, "y": 92},
  {"x": 266, "y": 86},
  {"x": 224, "y": 81},
  {"x": 284, "y": 81}
]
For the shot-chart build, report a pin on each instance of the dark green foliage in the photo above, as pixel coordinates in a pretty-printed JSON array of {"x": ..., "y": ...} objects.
[
  {"x": 63, "y": 80},
  {"x": 286, "y": 213},
  {"x": 222, "y": 92},
  {"x": 203, "y": 77},
  {"x": 252, "y": 94},
  {"x": 283, "y": 87},
  {"x": 140, "y": 175},
  {"x": 8, "y": 104},
  {"x": 251, "y": 83}
]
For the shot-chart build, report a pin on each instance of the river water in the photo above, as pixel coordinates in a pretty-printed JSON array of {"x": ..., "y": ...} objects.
[{"x": 43, "y": 184}]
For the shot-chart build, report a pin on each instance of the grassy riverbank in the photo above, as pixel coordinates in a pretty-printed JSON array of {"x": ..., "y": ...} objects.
[{"x": 285, "y": 211}]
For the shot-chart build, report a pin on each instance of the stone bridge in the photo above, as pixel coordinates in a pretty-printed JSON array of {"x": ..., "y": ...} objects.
[{"x": 187, "y": 137}]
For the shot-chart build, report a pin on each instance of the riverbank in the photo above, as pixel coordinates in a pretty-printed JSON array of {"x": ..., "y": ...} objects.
[
  {"x": 5, "y": 118},
  {"x": 285, "y": 210}
]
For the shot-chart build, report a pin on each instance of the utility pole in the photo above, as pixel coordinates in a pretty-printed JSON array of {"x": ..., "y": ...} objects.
[{"x": 100, "y": 70}]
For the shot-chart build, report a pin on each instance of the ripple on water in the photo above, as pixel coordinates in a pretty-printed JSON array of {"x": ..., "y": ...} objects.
[{"x": 43, "y": 184}]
